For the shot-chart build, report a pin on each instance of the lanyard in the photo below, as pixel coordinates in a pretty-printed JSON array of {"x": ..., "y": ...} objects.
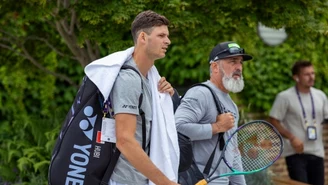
[
  {"x": 108, "y": 108},
  {"x": 312, "y": 102}
]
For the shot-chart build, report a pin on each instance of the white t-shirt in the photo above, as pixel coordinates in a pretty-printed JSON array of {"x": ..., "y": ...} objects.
[{"x": 288, "y": 110}]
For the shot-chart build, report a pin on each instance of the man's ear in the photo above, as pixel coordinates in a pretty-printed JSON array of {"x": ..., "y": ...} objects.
[
  {"x": 296, "y": 78},
  {"x": 142, "y": 36},
  {"x": 215, "y": 66}
]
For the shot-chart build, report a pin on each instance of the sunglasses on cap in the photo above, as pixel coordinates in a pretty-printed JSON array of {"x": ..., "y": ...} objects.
[{"x": 232, "y": 51}]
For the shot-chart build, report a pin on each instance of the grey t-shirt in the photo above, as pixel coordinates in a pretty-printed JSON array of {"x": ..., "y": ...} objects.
[
  {"x": 194, "y": 117},
  {"x": 287, "y": 109},
  {"x": 125, "y": 99}
]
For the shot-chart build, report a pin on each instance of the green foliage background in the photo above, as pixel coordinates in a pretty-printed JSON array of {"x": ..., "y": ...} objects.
[{"x": 45, "y": 45}]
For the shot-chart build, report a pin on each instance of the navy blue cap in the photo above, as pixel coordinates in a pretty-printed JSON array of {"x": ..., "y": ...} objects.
[{"x": 226, "y": 50}]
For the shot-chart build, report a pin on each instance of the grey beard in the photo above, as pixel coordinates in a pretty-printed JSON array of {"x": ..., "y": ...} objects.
[{"x": 232, "y": 84}]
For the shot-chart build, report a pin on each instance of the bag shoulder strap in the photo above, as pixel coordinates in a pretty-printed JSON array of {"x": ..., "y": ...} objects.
[
  {"x": 141, "y": 112},
  {"x": 217, "y": 102},
  {"x": 219, "y": 108},
  {"x": 117, "y": 153}
]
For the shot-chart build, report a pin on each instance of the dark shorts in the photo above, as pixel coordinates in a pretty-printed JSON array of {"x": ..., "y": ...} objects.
[{"x": 306, "y": 168}]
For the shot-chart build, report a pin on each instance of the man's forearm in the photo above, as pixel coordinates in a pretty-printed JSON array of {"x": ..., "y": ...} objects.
[
  {"x": 284, "y": 132},
  {"x": 133, "y": 152}
]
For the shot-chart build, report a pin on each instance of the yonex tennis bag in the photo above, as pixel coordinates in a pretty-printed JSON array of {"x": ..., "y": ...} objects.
[{"x": 79, "y": 156}]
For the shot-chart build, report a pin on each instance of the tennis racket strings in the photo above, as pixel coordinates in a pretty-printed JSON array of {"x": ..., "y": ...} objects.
[
  {"x": 258, "y": 146},
  {"x": 252, "y": 147}
]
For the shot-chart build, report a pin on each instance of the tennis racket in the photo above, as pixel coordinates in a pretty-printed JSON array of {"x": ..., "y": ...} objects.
[{"x": 253, "y": 147}]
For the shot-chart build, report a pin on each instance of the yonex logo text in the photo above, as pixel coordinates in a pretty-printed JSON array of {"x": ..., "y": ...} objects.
[
  {"x": 129, "y": 106},
  {"x": 78, "y": 162}
]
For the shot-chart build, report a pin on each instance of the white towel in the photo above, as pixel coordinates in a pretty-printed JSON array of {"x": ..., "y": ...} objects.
[
  {"x": 103, "y": 72},
  {"x": 164, "y": 149}
]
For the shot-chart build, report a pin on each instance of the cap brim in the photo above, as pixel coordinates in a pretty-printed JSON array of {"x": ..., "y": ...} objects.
[{"x": 245, "y": 56}]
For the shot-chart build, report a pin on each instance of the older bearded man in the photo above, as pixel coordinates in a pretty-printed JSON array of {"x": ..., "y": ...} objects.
[{"x": 197, "y": 117}]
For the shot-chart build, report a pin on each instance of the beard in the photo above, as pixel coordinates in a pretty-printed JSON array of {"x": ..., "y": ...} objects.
[{"x": 231, "y": 84}]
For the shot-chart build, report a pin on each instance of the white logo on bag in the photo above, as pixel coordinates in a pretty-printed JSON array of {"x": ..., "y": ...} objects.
[
  {"x": 79, "y": 161},
  {"x": 87, "y": 124}
]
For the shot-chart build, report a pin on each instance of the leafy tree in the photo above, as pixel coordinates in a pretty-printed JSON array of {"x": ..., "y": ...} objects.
[
  {"x": 45, "y": 45},
  {"x": 80, "y": 30}
]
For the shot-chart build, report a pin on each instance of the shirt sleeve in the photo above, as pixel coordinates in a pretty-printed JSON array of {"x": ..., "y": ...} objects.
[
  {"x": 126, "y": 92},
  {"x": 279, "y": 107},
  {"x": 325, "y": 108},
  {"x": 189, "y": 113}
]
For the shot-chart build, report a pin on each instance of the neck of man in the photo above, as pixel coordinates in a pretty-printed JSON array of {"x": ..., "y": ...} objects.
[
  {"x": 143, "y": 61},
  {"x": 219, "y": 84},
  {"x": 302, "y": 89}
]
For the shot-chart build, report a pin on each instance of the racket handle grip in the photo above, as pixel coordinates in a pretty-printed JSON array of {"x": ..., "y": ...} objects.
[{"x": 201, "y": 182}]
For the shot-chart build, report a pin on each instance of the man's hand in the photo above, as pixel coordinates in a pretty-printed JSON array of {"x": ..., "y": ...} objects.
[
  {"x": 224, "y": 122},
  {"x": 165, "y": 86},
  {"x": 297, "y": 144}
]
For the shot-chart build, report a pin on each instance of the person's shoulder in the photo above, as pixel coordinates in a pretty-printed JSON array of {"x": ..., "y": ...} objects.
[
  {"x": 129, "y": 75},
  {"x": 128, "y": 78},
  {"x": 318, "y": 91},
  {"x": 286, "y": 93},
  {"x": 198, "y": 91}
]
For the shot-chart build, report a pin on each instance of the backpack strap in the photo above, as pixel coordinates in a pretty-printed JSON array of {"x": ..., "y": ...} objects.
[
  {"x": 219, "y": 108},
  {"x": 141, "y": 112},
  {"x": 176, "y": 99},
  {"x": 117, "y": 153}
]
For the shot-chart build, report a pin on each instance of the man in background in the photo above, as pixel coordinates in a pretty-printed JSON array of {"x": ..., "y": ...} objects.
[{"x": 298, "y": 113}]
